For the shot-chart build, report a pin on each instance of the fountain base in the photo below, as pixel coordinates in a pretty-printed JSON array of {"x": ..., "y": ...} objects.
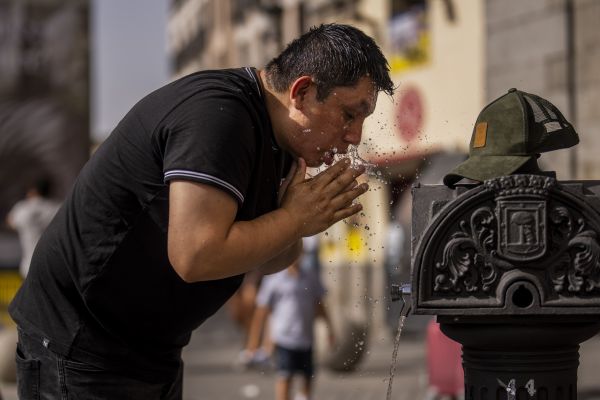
[{"x": 520, "y": 359}]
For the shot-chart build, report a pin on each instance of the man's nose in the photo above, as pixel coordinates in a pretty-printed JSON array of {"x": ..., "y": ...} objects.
[{"x": 353, "y": 133}]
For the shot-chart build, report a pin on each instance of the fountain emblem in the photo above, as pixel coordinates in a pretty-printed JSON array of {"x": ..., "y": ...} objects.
[{"x": 521, "y": 211}]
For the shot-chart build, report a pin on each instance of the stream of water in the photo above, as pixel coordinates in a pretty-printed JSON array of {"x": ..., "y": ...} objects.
[{"x": 395, "y": 352}]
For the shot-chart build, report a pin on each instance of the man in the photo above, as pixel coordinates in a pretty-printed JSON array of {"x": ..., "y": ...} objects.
[{"x": 182, "y": 200}]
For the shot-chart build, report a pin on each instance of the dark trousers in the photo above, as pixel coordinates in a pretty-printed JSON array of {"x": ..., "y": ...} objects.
[
  {"x": 289, "y": 361},
  {"x": 44, "y": 375}
]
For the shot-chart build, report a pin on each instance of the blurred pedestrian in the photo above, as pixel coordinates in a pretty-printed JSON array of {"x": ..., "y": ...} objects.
[
  {"x": 181, "y": 200},
  {"x": 30, "y": 217},
  {"x": 258, "y": 346},
  {"x": 291, "y": 300}
]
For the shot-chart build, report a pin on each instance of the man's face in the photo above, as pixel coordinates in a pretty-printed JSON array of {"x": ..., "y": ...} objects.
[{"x": 330, "y": 126}]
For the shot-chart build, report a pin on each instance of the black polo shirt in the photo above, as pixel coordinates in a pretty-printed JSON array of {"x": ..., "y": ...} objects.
[{"x": 101, "y": 288}]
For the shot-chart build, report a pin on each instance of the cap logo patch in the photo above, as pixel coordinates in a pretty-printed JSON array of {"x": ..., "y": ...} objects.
[{"x": 480, "y": 135}]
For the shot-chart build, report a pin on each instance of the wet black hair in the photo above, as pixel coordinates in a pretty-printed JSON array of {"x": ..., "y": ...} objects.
[{"x": 333, "y": 55}]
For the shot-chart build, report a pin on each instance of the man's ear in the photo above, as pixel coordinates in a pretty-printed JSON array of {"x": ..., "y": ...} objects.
[{"x": 299, "y": 90}]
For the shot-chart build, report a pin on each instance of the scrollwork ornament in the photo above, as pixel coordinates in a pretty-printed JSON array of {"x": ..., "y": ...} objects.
[
  {"x": 465, "y": 261},
  {"x": 584, "y": 272},
  {"x": 576, "y": 262}
]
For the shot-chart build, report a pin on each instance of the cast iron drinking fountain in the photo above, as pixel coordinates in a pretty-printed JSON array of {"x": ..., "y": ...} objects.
[{"x": 510, "y": 264}]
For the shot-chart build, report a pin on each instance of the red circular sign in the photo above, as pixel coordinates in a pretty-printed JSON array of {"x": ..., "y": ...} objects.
[{"x": 409, "y": 116}]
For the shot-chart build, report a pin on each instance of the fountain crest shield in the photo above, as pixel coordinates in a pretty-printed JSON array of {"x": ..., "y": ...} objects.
[{"x": 522, "y": 229}]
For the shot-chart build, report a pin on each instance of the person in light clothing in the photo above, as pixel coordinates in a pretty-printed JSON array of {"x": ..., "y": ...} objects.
[
  {"x": 30, "y": 217},
  {"x": 293, "y": 299}
]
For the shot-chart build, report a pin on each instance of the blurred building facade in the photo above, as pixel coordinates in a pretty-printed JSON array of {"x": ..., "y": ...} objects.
[
  {"x": 204, "y": 34},
  {"x": 551, "y": 48}
]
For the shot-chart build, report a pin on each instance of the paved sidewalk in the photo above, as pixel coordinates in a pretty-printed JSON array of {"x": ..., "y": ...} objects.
[
  {"x": 209, "y": 373},
  {"x": 210, "y": 376}
]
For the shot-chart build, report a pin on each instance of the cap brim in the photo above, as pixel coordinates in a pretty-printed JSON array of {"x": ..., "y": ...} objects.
[{"x": 480, "y": 168}]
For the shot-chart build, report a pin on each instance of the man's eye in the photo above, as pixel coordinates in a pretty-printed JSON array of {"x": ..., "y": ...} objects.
[{"x": 348, "y": 116}]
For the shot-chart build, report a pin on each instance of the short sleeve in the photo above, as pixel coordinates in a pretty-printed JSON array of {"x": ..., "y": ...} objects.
[{"x": 210, "y": 138}]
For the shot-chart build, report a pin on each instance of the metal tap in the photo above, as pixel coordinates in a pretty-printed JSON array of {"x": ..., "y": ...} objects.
[{"x": 398, "y": 293}]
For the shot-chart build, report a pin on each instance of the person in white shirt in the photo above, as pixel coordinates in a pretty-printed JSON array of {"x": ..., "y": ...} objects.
[{"x": 30, "y": 217}]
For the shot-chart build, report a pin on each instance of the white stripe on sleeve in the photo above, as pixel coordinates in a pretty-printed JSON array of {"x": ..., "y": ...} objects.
[{"x": 174, "y": 173}]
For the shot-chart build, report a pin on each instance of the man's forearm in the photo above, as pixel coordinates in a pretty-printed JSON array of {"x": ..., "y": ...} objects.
[
  {"x": 283, "y": 260},
  {"x": 246, "y": 246}
]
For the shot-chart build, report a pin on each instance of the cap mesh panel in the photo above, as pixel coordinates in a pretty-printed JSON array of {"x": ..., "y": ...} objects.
[
  {"x": 545, "y": 114},
  {"x": 552, "y": 126}
]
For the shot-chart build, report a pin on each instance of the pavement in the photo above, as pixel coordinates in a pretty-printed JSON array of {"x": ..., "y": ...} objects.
[
  {"x": 210, "y": 373},
  {"x": 210, "y": 376}
]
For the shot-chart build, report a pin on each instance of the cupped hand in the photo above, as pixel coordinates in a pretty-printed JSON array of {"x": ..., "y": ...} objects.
[{"x": 316, "y": 203}]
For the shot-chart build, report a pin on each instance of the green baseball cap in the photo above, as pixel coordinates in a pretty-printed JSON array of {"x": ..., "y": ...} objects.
[{"x": 509, "y": 132}]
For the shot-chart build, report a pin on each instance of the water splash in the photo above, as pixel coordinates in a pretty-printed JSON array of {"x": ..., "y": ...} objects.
[{"x": 356, "y": 160}]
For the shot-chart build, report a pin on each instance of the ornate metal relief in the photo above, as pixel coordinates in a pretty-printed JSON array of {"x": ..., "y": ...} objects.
[
  {"x": 521, "y": 222},
  {"x": 576, "y": 266},
  {"x": 469, "y": 256}
]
